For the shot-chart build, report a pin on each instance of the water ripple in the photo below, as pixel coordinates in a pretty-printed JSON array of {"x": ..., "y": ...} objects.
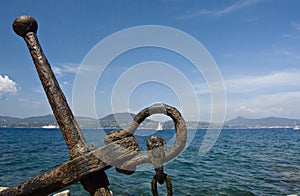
[{"x": 242, "y": 162}]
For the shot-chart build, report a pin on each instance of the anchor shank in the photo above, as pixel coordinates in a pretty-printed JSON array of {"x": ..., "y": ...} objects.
[
  {"x": 26, "y": 27},
  {"x": 56, "y": 98}
]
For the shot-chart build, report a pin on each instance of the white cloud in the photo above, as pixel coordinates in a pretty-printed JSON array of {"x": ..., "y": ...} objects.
[
  {"x": 64, "y": 68},
  {"x": 282, "y": 104},
  {"x": 7, "y": 86},
  {"x": 236, "y": 6},
  {"x": 273, "y": 94},
  {"x": 57, "y": 71},
  {"x": 232, "y": 8},
  {"x": 269, "y": 82},
  {"x": 284, "y": 79}
]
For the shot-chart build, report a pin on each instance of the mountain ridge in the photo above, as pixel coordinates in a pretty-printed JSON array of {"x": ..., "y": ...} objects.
[
  {"x": 265, "y": 121},
  {"x": 119, "y": 120}
]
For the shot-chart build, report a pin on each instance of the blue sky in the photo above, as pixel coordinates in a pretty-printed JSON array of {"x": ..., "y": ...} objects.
[{"x": 255, "y": 43}]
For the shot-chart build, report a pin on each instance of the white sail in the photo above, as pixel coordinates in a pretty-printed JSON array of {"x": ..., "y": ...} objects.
[{"x": 159, "y": 127}]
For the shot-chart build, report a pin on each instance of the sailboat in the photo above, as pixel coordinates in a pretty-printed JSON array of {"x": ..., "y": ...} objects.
[
  {"x": 49, "y": 126},
  {"x": 159, "y": 127},
  {"x": 297, "y": 128}
]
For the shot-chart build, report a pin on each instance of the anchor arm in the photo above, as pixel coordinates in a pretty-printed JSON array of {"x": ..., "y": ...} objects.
[{"x": 75, "y": 170}]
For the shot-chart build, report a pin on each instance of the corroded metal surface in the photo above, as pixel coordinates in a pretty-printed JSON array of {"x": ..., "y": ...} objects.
[
  {"x": 121, "y": 150},
  {"x": 125, "y": 140},
  {"x": 121, "y": 147},
  {"x": 180, "y": 127},
  {"x": 157, "y": 146},
  {"x": 73, "y": 171},
  {"x": 26, "y": 27},
  {"x": 168, "y": 185}
]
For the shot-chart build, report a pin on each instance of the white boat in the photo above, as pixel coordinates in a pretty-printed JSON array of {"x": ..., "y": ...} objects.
[
  {"x": 49, "y": 126},
  {"x": 159, "y": 127},
  {"x": 296, "y": 127}
]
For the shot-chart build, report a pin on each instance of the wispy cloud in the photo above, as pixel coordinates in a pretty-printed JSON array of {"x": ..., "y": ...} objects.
[
  {"x": 236, "y": 6},
  {"x": 273, "y": 94},
  {"x": 65, "y": 68},
  {"x": 61, "y": 69},
  {"x": 290, "y": 36},
  {"x": 281, "y": 104},
  {"x": 7, "y": 86},
  {"x": 296, "y": 25},
  {"x": 287, "y": 53},
  {"x": 232, "y": 8},
  {"x": 270, "y": 82},
  {"x": 284, "y": 79}
]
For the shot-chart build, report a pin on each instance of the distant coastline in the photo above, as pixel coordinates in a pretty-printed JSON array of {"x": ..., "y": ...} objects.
[{"x": 118, "y": 120}]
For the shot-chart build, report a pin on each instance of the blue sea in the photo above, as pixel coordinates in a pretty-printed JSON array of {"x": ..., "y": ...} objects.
[{"x": 242, "y": 162}]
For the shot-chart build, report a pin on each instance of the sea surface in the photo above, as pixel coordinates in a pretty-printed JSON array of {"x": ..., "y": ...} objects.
[{"x": 242, "y": 162}]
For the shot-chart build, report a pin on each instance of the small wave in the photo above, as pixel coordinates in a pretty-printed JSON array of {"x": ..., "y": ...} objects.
[{"x": 235, "y": 192}]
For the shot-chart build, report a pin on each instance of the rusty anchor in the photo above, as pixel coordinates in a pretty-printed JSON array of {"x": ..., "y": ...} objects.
[{"x": 87, "y": 165}]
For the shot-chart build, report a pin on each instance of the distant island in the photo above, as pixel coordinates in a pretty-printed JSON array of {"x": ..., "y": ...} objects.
[{"x": 115, "y": 121}]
